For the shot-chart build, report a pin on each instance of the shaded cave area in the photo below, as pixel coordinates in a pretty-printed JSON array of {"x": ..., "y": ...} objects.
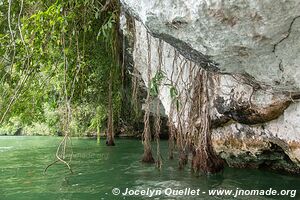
[{"x": 273, "y": 158}]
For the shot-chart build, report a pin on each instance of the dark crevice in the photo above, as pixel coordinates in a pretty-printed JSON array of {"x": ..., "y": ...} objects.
[
  {"x": 280, "y": 66},
  {"x": 275, "y": 158},
  {"x": 250, "y": 114},
  {"x": 288, "y": 34},
  {"x": 188, "y": 52}
]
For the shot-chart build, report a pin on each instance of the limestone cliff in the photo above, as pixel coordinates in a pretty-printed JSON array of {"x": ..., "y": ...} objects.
[{"x": 252, "y": 51}]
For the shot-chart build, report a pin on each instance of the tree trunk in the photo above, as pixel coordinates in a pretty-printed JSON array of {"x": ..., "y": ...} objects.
[{"x": 110, "y": 129}]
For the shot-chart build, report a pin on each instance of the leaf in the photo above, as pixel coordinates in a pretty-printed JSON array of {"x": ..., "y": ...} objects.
[
  {"x": 109, "y": 24},
  {"x": 177, "y": 104},
  {"x": 160, "y": 75},
  {"x": 168, "y": 84},
  {"x": 52, "y": 22},
  {"x": 173, "y": 92},
  {"x": 154, "y": 88}
]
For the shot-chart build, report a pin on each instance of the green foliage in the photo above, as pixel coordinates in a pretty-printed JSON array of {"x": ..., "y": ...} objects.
[
  {"x": 98, "y": 119},
  {"x": 156, "y": 82},
  {"x": 106, "y": 30},
  {"x": 11, "y": 126},
  {"x": 63, "y": 50},
  {"x": 175, "y": 96}
]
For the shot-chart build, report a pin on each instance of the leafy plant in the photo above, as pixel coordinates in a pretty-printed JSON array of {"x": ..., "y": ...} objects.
[
  {"x": 156, "y": 83},
  {"x": 57, "y": 56}
]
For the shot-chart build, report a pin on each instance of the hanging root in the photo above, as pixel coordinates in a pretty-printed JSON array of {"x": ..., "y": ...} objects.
[
  {"x": 172, "y": 128},
  {"x": 61, "y": 154},
  {"x": 157, "y": 132},
  {"x": 134, "y": 95},
  {"x": 183, "y": 154},
  {"x": 183, "y": 159},
  {"x": 182, "y": 137},
  {"x": 110, "y": 142},
  {"x": 171, "y": 141},
  {"x": 147, "y": 157},
  {"x": 157, "y": 123},
  {"x": 205, "y": 161},
  {"x": 204, "y": 158},
  {"x": 63, "y": 145},
  {"x": 110, "y": 124}
]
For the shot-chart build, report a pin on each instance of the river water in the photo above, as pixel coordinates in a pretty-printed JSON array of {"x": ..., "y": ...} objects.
[{"x": 99, "y": 169}]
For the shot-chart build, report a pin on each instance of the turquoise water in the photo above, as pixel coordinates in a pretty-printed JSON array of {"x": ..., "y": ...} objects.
[{"x": 98, "y": 169}]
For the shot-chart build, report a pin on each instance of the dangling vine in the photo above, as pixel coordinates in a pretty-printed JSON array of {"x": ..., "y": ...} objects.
[
  {"x": 156, "y": 82},
  {"x": 180, "y": 117},
  {"x": 147, "y": 157},
  {"x": 111, "y": 35},
  {"x": 61, "y": 151},
  {"x": 204, "y": 158},
  {"x": 173, "y": 94},
  {"x": 189, "y": 113},
  {"x": 134, "y": 95}
]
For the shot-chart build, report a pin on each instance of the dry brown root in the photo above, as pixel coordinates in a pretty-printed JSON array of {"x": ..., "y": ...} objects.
[
  {"x": 183, "y": 154},
  {"x": 110, "y": 142},
  {"x": 147, "y": 157},
  {"x": 157, "y": 124},
  {"x": 157, "y": 137},
  {"x": 204, "y": 157},
  {"x": 183, "y": 160},
  {"x": 171, "y": 141},
  {"x": 206, "y": 161},
  {"x": 159, "y": 162},
  {"x": 110, "y": 128},
  {"x": 172, "y": 132}
]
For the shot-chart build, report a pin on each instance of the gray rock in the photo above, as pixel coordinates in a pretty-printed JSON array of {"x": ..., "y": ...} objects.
[
  {"x": 252, "y": 50},
  {"x": 261, "y": 38}
]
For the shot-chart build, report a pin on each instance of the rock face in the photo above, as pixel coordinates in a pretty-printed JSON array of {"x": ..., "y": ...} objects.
[
  {"x": 261, "y": 38},
  {"x": 252, "y": 50}
]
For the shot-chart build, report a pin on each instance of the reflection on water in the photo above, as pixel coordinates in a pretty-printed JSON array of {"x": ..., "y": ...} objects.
[
  {"x": 98, "y": 169},
  {"x": 2, "y": 149}
]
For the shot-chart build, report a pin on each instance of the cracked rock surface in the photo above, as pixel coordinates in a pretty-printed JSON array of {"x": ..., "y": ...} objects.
[{"x": 260, "y": 38}]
